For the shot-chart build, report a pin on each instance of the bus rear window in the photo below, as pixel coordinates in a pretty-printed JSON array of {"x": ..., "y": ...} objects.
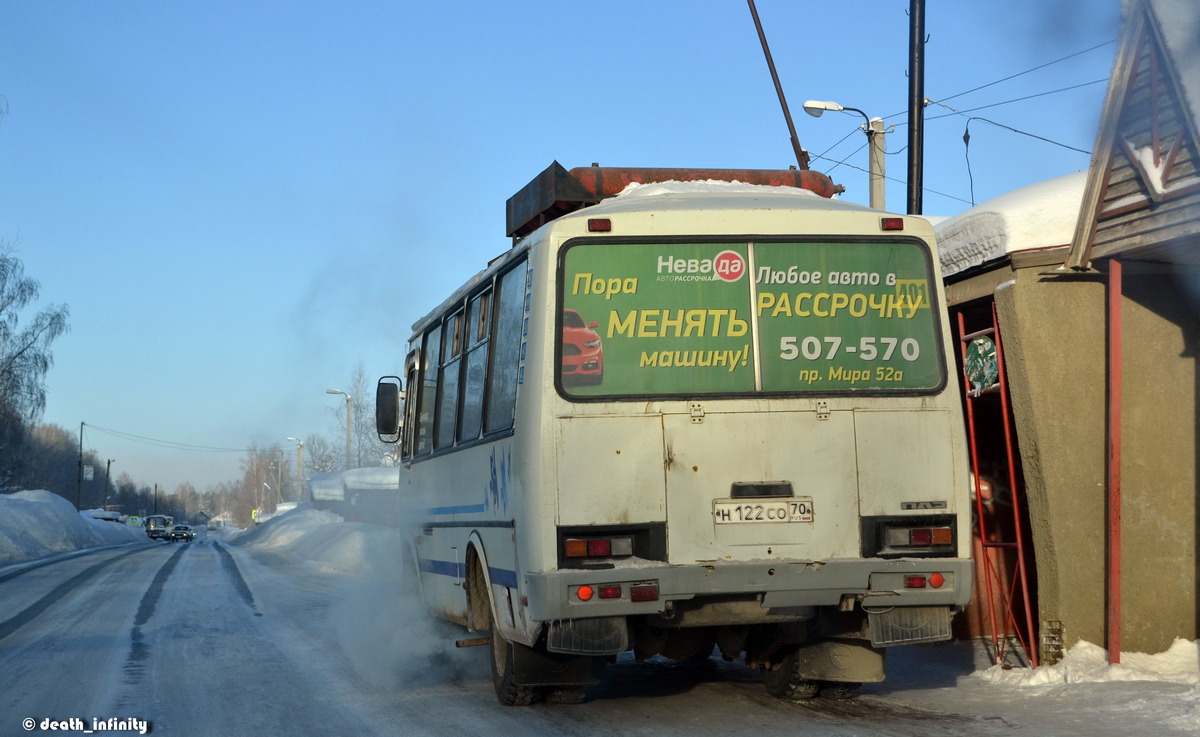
[{"x": 728, "y": 318}]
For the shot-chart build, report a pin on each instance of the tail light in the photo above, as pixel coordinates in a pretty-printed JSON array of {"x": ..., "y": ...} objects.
[
  {"x": 641, "y": 591},
  {"x": 598, "y": 547},
  {"x": 918, "y": 537},
  {"x": 926, "y": 536}
]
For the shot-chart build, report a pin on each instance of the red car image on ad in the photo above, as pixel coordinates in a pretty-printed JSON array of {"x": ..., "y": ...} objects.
[{"x": 582, "y": 353}]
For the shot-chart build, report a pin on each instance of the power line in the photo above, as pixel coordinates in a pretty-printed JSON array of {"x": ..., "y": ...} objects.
[
  {"x": 1008, "y": 102},
  {"x": 1014, "y": 76},
  {"x": 963, "y": 113},
  {"x": 1034, "y": 69},
  {"x": 888, "y": 178},
  {"x": 167, "y": 443}
]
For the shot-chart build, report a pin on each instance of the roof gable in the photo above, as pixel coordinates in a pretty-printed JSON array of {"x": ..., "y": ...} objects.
[{"x": 1144, "y": 181}]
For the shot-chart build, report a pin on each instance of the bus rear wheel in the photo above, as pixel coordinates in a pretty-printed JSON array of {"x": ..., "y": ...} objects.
[
  {"x": 785, "y": 682},
  {"x": 508, "y": 690}
]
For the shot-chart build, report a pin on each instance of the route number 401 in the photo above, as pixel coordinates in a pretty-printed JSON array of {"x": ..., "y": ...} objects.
[{"x": 868, "y": 349}]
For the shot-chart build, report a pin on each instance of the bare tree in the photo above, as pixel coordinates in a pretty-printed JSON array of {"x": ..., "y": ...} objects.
[
  {"x": 25, "y": 349},
  {"x": 24, "y": 360},
  {"x": 366, "y": 449},
  {"x": 321, "y": 455}
]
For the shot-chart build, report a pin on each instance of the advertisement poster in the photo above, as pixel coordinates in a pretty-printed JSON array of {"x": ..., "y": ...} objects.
[{"x": 662, "y": 319}]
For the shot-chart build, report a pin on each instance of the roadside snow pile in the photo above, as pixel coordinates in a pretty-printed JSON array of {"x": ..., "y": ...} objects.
[
  {"x": 1088, "y": 663},
  {"x": 322, "y": 539},
  {"x": 35, "y": 524},
  {"x": 1161, "y": 689}
]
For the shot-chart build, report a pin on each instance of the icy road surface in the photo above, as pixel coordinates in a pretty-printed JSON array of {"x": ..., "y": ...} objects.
[{"x": 208, "y": 638}]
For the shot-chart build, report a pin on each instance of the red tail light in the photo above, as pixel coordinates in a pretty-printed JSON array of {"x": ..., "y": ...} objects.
[
  {"x": 598, "y": 547},
  {"x": 643, "y": 592}
]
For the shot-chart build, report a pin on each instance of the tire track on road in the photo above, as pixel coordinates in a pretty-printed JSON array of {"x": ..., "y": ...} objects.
[
  {"x": 239, "y": 582},
  {"x": 57, "y": 559},
  {"x": 33, "y": 610},
  {"x": 139, "y": 652}
]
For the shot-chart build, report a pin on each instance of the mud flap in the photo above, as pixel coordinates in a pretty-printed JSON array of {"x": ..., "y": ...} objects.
[
  {"x": 593, "y": 636},
  {"x": 535, "y": 667},
  {"x": 907, "y": 625},
  {"x": 840, "y": 660}
]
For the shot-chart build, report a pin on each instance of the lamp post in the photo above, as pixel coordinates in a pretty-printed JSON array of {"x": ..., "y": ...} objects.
[
  {"x": 348, "y": 398},
  {"x": 875, "y": 136},
  {"x": 299, "y": 469}
]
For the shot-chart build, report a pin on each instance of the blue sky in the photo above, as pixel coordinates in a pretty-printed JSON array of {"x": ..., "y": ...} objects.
[{"x": 242, "y": 201}]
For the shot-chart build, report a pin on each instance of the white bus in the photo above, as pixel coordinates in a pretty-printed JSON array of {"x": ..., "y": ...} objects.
[
  {"x": 695, "y": 415},
  {"x": 159, "y": 526}
]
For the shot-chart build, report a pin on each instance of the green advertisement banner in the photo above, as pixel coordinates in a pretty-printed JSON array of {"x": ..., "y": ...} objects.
[{"x": 655, "y": 319}]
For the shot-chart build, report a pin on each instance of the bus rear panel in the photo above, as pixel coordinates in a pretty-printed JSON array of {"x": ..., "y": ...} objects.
[{"x": 732, "y": 426}]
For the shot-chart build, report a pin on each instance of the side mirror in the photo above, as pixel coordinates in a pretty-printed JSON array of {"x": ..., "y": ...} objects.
[{"x": 388, "y": 396}]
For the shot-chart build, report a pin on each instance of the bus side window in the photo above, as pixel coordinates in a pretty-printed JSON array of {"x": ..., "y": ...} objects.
[
  {"x": 471, "y": 403},
  {"x": 447, "y": 407},
  {"x": 411, "y": 401},
  {"x": 428, "y": 395},
  {"x": 505, "y": 350}
]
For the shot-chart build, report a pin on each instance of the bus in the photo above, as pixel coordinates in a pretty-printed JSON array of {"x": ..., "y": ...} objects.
[
  {"x": 711, "y": 413},
  {"x": 159, "y": 526}
]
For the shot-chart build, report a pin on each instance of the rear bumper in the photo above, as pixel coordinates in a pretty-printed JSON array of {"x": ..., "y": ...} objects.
[{"x": 778, "y": 585}]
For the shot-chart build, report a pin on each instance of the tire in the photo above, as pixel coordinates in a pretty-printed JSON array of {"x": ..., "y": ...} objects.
[
  {"x": 784, "y": 682},
  {"x": 508, "y": 691}
]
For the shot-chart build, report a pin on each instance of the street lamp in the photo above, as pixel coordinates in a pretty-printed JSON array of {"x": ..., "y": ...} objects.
[
  {"x": 299, "y": 469},
  {"x": 875, "y": 136},
  {"x": 348, "y": 398}
]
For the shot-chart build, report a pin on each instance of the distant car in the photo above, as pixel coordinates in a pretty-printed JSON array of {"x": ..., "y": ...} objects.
[{"x": 182, "y": 532}]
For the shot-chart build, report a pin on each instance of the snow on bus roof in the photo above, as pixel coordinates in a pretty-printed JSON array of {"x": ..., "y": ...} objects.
[
  {"x": 707, "y": 186},
  {"x": 1041, "y": 215}
]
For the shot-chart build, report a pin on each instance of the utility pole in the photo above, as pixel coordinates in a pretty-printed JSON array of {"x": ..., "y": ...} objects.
[
  {"x": 107, "y": 468},
  {"x": 875, "y": 135},
  {"x": 916, "y": 105},
  {"x": 299, "y": 469},
  {"x": 79, "y": 472}
]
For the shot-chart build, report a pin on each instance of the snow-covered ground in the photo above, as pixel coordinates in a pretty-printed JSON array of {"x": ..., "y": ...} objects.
[
  {"x": 36, "y": 524},
  {"x": 1144, "y": 694}
]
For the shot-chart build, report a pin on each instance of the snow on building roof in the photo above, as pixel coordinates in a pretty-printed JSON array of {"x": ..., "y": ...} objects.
[{"x": 1041, "y": 215}]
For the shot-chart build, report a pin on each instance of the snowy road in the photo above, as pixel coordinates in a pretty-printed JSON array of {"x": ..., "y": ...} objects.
[{"x": 207, "y": 638}]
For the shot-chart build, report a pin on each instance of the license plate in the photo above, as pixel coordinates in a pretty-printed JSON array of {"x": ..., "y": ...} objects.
[{"x": 785, "y": 510}]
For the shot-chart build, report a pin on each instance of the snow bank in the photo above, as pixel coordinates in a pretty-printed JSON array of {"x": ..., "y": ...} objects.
[
  {"x": 1088, "y": 663},
  {"x": 35, "y": 524},
  {"x": 374, "y": 596},
  {"x": 1161, "y": 689},
  {"x": 321, "y": 538}
]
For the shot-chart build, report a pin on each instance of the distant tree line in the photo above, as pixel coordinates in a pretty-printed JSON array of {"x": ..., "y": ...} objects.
[{"x": 34, "y": 455}]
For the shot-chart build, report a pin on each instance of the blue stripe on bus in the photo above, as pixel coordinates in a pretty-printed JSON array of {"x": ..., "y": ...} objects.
[
  {"x": 502, "y": 577},
  {"x": 467, "y": 508},
  {"x": 499, "y": 576}
]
